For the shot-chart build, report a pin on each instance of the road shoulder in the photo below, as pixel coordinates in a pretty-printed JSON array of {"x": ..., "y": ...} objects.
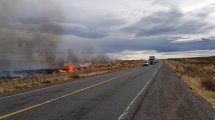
[{"x": 169, "y": 98}]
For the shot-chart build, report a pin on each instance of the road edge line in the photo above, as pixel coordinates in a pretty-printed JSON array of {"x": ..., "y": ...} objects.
[{"x": 133, "y": 106}]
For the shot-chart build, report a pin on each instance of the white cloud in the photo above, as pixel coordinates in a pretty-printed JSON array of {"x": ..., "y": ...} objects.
[{"x": 144, "y": 54}]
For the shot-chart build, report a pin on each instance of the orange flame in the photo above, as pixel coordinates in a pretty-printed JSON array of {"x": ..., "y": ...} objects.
[{"x": 68, "y": 68}]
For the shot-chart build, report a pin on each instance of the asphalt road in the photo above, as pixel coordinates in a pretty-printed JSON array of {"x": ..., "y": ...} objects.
[
  {"x": 103, "y": 97},
  {"x": 109, "y": 96}
]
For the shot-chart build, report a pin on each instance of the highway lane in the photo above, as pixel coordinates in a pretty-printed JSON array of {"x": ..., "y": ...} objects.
[{"x": 103, "y": 97}]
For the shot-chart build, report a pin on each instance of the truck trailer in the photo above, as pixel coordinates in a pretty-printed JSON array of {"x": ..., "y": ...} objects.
[{"x": 152, "y": 60}]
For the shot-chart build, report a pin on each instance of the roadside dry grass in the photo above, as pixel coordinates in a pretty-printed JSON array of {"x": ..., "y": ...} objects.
[
  {"x": 21, "y": 83},
  {"x": 198, "y": 73}
]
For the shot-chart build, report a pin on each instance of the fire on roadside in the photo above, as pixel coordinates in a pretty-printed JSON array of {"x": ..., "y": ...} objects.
[
  {"x": 100, "y": 65},
  {"x": 68, "y": 68}
]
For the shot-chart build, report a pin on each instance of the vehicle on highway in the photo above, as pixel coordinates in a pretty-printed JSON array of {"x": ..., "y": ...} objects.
[
  {"x": 151, "y": 60},
  {"x": 156, "y": 61},
  {"x": 145, "y": 63}
]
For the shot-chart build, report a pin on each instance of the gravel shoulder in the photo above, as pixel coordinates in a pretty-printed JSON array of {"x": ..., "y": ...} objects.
[{"x": 169, "y": 98}]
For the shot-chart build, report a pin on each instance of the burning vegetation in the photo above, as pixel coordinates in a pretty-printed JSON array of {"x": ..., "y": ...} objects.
[
  {"x": 68, "y": 68},
  {"x": 35, "y": 50},
  {"x": 25, "y": 80}
]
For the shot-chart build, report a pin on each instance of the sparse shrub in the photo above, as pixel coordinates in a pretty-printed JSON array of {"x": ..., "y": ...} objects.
[
  {"x": 47, "y": 81},
  {"x": 208, "y": 84},
  {"x": 21, "y": 86},
  {"x": 74, "y": 76},
  {"x": 199, "y": 74},
  {"x": 34, "y": 84}
]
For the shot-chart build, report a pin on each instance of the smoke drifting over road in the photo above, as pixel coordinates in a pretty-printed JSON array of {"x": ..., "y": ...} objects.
[
  {"x": 27, "y": 34},
  {"x": 19, "y": 38}
]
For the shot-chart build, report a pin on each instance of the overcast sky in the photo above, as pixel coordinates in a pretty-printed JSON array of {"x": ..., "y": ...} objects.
[{"x": 117, "y": 27}]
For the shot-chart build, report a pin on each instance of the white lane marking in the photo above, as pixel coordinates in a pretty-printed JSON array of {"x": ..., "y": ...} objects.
[{"x": 123, "y": 115}]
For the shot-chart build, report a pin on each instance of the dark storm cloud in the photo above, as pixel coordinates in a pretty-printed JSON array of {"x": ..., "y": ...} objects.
[
  {"x": 205, "y": 12},
  {"x": 50, "y": 16},
  {"x": 71, "y": 29},
  {"x": 171, "y": 22},
  {"x": 61, "y": 29},
  {"x": 160, "y": 44},
  {"x": 98, "y": 27},
  {"x": 95, "y": 29},
  {"x": 158, "y": 30},
  {"x": 28, "y": 12}
]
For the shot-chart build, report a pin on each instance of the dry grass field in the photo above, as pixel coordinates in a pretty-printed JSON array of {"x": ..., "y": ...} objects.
[
  {"x": 21, "y": 83},
  {"x": 198, "y": 73}
]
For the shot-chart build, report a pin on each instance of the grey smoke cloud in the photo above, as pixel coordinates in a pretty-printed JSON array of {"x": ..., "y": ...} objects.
[
  {"x": 33, "y": 31},
  {"x": 17, "y": 42},
  {"x": 53, "y": 16},
  {"x": 71, "y": 29},
  {"x": 28, "y": 12}
]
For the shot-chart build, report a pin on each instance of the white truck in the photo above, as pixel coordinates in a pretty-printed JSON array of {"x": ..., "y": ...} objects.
[{"x": 152, "y": 60}]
